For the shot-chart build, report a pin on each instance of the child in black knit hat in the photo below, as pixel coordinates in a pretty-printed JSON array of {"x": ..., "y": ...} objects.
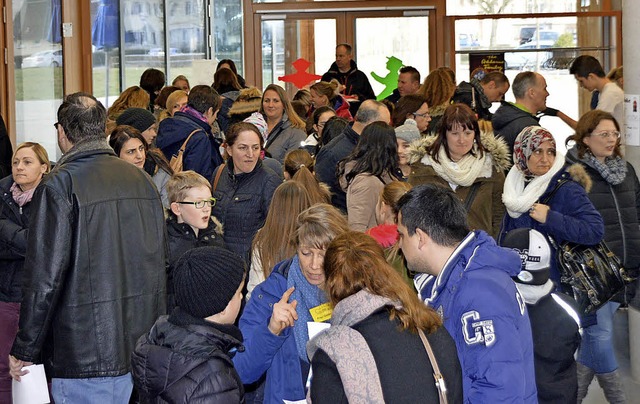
[{"x": 186, "y": 357}]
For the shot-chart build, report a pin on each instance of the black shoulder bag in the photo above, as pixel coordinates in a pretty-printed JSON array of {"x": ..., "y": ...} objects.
[{"x": 592, "y": 273}]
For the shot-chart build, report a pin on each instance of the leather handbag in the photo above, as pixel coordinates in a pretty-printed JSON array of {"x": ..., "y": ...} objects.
[{"x": 593, "y": 274}]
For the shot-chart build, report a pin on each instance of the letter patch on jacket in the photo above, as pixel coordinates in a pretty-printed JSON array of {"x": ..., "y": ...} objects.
[{"x": 475, "y": 331}]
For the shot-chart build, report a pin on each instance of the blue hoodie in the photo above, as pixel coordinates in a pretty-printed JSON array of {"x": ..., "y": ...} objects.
[
  {"x": 202, "y": 153},
  {"x": 486, "y": 316}
]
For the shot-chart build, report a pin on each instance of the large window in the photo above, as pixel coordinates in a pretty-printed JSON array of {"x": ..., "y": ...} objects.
[
  {"x": 37, "y": 45},
  {"x": 130, "y": 36},
  {"x": 546, "y": 45}
]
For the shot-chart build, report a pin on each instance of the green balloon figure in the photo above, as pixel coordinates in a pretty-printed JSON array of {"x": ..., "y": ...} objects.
[{"x": 390, "y": 81}]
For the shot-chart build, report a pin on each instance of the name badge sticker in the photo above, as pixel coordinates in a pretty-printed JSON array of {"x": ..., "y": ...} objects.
[{"x": 321, "y": 313}]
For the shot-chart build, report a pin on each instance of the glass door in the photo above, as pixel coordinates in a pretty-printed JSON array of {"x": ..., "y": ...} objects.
[
  {"x": 384, "y": 43},
  {"x": 37, "y": 41},
  {"x": 286, "y": 38},
  {"x": 377, "y": 35}
]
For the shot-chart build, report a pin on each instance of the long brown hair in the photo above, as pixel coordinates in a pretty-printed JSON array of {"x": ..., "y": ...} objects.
[
  {"x": 299, "y": 165},
  {"x": 355, "y": 261},
  {"x": 274, "y": 241}
]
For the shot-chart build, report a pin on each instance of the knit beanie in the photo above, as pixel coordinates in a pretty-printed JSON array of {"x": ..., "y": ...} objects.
[
  {"x": 139, "y": 118},
  {"x": 205, "y": 280},
  {"x": 258, "y": 120},
  {"x": 534, "y": 252},
  {"x": 408, "y": 131}
]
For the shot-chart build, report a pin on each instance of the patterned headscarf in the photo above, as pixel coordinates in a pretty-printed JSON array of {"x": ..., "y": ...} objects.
[{"x": 526, "y": 143}]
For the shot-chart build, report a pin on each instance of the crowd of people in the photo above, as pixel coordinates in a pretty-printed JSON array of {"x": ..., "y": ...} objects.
[{"x": 191, "y": 240}]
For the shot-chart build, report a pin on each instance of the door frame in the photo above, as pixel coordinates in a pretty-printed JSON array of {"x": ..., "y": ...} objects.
[{"x": 345, "y": 13}]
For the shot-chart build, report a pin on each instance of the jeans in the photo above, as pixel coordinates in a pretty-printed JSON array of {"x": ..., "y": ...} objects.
[
  {"x": 95, "y": 390},
  {"x": 596, "y": 349},
  {"x": 9, "y": 314}
]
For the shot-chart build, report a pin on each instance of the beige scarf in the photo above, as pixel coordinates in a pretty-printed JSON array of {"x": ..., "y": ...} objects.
[{"x": 464, "y": 172}]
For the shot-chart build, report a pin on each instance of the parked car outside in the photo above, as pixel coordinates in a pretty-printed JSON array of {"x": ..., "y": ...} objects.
[
  {"x": 527, "y": 60},
  {"x": 47, "y": 58}
]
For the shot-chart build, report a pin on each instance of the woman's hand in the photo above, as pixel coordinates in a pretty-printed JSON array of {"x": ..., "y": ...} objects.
[
  {"x": 539, "y": 212},
  {"x": 284, "y": 313}
]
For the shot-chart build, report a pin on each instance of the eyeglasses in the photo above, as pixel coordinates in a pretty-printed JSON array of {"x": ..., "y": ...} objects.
[
  {"x": 607, "y": 134},
  {"x": 201, "y": 204},
  {"x": 425, "y": 115},
  {"x": 55, "y": 125}
]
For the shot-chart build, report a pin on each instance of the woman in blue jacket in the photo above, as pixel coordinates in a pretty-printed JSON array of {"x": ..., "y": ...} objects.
[
  {"x": 274, "y": 322},
  {"x": 537, "y": 169}
]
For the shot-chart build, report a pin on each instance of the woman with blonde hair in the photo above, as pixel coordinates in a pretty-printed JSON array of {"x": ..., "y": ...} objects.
[
  {"x": 273, "y": 242},
  {"x": 285, "y": 127},
  {"x": 374, "y": 350},
  {"x": 274, "y": 322},
  {"x": 325, "y": 94},
  {"x": 438, "y": 90},
  {"x": 175, "y": 101},
  {"x": 298, "y": 166},
  {"x": 29, "y": 164}
]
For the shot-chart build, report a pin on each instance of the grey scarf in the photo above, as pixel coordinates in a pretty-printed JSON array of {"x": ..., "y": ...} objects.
[
  {"x": 348, "y": 349},
  {"x": 613, "y": 170}
]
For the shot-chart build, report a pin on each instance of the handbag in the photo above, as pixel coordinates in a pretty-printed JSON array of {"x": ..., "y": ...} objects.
[
  {"x": 593, "y": 274},
  {"x": 176, "y": 160}
]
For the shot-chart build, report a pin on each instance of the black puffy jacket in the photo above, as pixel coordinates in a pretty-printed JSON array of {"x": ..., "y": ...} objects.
[
  {"x": 242, "y": 204},
  {"x": 187, "y": 360},
  {"x": 619, "y": 206},
  {"x": 14, "y": 221},
  {"x": 94, "y": 274}
]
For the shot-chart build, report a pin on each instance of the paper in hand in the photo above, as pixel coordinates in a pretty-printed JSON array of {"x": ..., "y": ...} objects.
[{"x": 32, "y": 387}]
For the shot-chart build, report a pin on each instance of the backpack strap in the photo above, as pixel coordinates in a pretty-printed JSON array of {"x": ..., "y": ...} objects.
[
  {"x": 471, "y": 196},
  {"x": 218, "y": 174}
]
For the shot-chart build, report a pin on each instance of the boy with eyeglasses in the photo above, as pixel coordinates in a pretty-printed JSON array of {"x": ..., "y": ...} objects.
[{"x": 189, "y": 221}]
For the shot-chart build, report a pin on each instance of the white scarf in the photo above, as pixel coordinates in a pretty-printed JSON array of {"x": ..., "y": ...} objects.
[
  {"x": 463, "y": 172},
  {"x": 517, "y": 197}
]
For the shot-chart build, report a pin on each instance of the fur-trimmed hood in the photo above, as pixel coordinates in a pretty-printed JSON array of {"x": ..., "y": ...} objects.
[
  {"x": 579, "y": 174},
  {"x": 495, "y": 146},
  {"x": 247, "y": 102}
]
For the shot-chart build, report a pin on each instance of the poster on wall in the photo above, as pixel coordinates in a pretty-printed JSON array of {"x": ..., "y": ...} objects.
[
  {"x": 631, "y": 119},
  {"x": 482, "y": 63}
]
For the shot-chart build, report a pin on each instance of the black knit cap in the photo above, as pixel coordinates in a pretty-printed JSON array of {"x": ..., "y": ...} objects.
[
  {"x": 205, "y": 280},
  {"x": 139, "y": 118}
]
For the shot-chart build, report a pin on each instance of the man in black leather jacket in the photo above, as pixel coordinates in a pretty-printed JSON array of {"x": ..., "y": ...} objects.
[{"x": 94, "y": 274}]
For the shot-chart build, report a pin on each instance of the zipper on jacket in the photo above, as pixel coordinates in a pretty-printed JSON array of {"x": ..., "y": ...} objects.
[{"x": 624, "y": 237}]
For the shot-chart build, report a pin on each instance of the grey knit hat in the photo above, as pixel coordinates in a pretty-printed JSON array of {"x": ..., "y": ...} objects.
[
  {"x": 408, "y": 131},
  {"x": 139, "y": 118},
  {"x": 205, "y": 280}
]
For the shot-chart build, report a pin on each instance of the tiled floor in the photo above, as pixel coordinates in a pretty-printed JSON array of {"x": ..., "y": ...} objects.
[{"x": 632, "y": 387}]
